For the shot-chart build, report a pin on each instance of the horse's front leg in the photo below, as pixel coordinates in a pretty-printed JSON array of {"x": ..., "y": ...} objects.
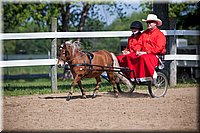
[
  {"x": 76, "y": 79},
  {"x": 82, "y": 89},
  {"x": 96, "y": 89}
]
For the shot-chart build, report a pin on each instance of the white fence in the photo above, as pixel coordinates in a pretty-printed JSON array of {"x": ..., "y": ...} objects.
[
  {"x": 40, "y": 62},
  {"x": 44, "y": 35},
  {"x": 36, "y": 62}
]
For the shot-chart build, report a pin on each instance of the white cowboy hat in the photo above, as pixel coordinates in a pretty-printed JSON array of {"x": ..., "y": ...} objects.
[{"x": 153, "y": 17}]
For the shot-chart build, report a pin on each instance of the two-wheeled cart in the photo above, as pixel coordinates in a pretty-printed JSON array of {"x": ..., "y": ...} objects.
[{"x": 156, "y": 87}]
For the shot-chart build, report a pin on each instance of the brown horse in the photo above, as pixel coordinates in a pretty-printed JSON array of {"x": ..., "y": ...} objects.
[{"x": 84, "y": 65}]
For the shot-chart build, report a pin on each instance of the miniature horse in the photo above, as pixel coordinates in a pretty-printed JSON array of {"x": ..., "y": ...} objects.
[{"x": 84, "y": 65}]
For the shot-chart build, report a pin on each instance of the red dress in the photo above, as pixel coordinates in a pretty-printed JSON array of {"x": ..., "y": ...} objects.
[
  {"x": 131, "y": 47},
  {"x": 152, "y": 42}
]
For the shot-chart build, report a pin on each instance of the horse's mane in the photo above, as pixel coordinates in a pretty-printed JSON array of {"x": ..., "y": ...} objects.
[{"x": 76, "y": 45}]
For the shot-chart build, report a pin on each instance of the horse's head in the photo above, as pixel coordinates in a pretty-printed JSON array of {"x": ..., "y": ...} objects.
[{"x": 67, "y": 52}]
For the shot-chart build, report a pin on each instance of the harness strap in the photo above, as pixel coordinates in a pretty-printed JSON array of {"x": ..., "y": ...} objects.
[
  {"x": 90, "y": 57},
  {"x": 83, "y": 64},
  {"x": 103, "y": 67}
]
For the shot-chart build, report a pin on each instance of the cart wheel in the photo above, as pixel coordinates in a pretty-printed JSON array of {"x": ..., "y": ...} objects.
[
  {"x": 159, "y": 88},
  {"x": 124, "y": 87}
]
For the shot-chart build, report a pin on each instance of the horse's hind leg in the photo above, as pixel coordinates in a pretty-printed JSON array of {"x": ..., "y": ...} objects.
[
  {"x": 112, "y": 81},
  {"x": 96, "y": 89}
]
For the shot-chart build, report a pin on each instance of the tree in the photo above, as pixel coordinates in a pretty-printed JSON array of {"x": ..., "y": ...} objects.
[
  {"x": 72, "y": 16},
  {"x": 184, "y": 12},
  {"x": 189, "y": 15}
]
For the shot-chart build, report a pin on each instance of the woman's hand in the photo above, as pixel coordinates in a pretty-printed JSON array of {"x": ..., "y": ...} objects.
[
  {"x": 125, "y": 52},
  {"x": 139, "y": 53}
]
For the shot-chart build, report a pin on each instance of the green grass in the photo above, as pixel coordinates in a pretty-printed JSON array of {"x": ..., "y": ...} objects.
[{"x": 43, "y": 86}]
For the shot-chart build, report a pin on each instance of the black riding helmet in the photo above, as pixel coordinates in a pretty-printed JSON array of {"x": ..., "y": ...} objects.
[{"x": 137, "y": 25}]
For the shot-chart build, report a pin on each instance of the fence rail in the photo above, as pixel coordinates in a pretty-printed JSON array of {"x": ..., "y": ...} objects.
[
  {"x": 38, "y": 62},
  {"x": 53, "y": 35},
  {"x": 49, "y": 35}
]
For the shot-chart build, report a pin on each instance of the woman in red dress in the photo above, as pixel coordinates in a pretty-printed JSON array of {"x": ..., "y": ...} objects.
[
  {"x": 136, "y": 28},
  {"x": 152, "y": 42}
]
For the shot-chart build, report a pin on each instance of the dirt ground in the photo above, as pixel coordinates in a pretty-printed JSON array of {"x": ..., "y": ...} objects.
[{"x": 177, "y": 111}]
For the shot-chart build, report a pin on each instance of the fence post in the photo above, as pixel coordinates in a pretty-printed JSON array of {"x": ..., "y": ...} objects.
[
  {"x": 53, "y": 56},
  {"x": 173, "y": 50}
]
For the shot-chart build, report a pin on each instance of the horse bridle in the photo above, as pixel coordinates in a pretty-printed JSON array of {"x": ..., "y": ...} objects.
[{"x": 67, "y": 56}]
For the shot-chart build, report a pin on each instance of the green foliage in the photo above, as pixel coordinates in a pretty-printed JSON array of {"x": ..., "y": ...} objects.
[
  {"x": 186, "y": 13},
  {"x": 28, "y": 70},
  {"x": 24, "y": 17},
  {"x": 110, "y": 44},
  {"x": 183, "y": 13},
  {"x": 9, "y": 47},
  {"x": 146, "y": 6},
  {"x": 94, "y": 25},
  {"x": 176, "y": 9},
  {"x": 39, "y": 46},
  {"x": 124, "y": 24},
  {"x": 188, "y": 19}
]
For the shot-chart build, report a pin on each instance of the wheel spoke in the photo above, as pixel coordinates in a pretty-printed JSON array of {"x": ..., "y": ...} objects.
[{"x": 160, "y": 87}]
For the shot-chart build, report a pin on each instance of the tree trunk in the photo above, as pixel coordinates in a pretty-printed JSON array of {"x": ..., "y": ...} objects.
[
  {"x": 161, "y": 9},
  {"x": 84, "y": 13},
  {"x": 65, "y": 13}
]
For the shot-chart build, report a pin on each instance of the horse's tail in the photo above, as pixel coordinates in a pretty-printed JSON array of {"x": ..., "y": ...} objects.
[
  {"x": 115, "y": 61},
  {"x": 120, "y": 74}
]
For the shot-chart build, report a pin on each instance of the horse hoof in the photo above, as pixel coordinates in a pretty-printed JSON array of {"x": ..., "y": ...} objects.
[
  {"x": 68, "y": 98},
  {"x": 94, "y": 95},
  {"x": 116, "y": 95},
  {"x": 84, "y": 97}
]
